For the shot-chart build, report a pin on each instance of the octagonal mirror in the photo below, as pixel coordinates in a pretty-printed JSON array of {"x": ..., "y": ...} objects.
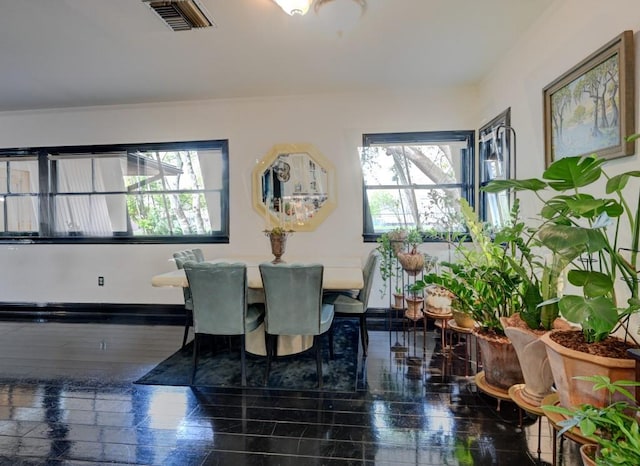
[{"x": 294, "y": 187}]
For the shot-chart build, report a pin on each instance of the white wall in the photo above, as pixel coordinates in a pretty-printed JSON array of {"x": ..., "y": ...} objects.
[
  {"x": 40, "y": 273},
  {"x": 567, "y": 33}
]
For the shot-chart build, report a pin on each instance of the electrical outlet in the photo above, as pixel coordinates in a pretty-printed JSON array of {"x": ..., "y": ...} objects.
[{"x": 100, "y": 281}]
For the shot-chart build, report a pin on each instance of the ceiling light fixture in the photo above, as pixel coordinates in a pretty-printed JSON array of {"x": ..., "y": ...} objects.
[
  {"x": 294, "y": 7},
  {"x": 300, "y": 7}
]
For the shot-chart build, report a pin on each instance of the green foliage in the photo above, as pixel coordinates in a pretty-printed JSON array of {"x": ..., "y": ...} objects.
[
  {"x": 416, "y": 288},
  {"x": 278, "y": 231},
  {"x": 485, "y": 281},
  {"x": 414, "y": 238},
  {"x": 583, "y": 230},
  {"x": 388, "y": 266},
  {"x": 614, "y": 427}
]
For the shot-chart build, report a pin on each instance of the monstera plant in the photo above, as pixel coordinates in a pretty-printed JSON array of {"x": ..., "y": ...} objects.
[
  {"x": 585, "y": 230},
  {"x": 590, "y": 223}
]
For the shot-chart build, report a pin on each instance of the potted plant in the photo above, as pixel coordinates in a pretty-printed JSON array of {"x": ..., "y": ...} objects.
[
  {"x": 278, "y": 239},
  {"x": 539, "y": 310},
  {"x": 586, "y": 228},
  {"x": 486, "y": 286},
  {"x": 398, "y": 298},
  {"x": 613, "y": 428},
  {"x": 412, "y": 261},
  {"x": 389, "y": 245},
  {"x": 414, "y": 300}
]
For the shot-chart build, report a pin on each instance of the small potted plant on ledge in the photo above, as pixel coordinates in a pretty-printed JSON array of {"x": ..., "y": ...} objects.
[{"x": 613, "y": 428}]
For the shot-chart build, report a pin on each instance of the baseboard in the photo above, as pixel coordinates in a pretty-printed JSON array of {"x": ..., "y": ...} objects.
[
  {"x": 147, "y": 314},
  {"x": 159, "y": 314}
]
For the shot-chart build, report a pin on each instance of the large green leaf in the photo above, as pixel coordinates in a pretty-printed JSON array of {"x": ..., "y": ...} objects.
[
  {"x": 573, "y": 172},
  {"x": 497, "y": 186},
  {"x": 618, "y": 182},
  {"x": 530, "y": 312},
  {"x": 593, "y": 283},
  {"x": 571, "y": 241},
  {"x": 599, "y": 312},
  {"x": 588, "y": 207}
]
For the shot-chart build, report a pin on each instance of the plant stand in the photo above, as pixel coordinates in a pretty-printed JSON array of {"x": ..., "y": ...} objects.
[
  {"x": 442, "y": 319},
  {"x": 490, "y": 390},
  {"x": 468, "y": 335},
  {"x": 515, "y": 392}
]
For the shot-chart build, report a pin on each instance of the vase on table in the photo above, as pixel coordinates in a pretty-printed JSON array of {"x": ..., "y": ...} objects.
[{"x": 278, "y": 240}]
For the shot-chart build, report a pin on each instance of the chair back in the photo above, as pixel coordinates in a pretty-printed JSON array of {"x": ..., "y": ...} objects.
[
  {"x": 367, "y": 275},
  {"x": 219, "y": 293},
  {"x": 293, "y": 298},
  {"x": 199, "y": 255},
  {"x": 180, "y": 257}
]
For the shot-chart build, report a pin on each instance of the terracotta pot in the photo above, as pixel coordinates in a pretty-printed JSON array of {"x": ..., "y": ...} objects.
[
  {"x": 414, "y": 308},
  {"x": 397, "y": 239},
  {"x": 534, "y": 362},
  {"x": 411, "y": 262},
  {"x": 588, "y": 453},
  {"x": 567, "y": 363},
  {"x": 438, "y": 300},
  {"x": 463, "y": 319},
  {"x": 398, "y": 301},
  {"x": 499, "y": 361}
]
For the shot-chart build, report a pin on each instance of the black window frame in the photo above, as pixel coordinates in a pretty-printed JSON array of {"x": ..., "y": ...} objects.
[
  {"x": 424, "y": 137},
  {"x": 495, "y": 140},
  {"x": 47, "y": 193}
]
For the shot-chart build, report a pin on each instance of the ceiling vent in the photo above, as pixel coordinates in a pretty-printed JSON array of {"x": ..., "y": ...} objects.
[{"x": 181, "y": 15}]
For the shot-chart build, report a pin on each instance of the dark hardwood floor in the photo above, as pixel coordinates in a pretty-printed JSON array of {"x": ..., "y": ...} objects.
[{"x": 67, "y": 398}]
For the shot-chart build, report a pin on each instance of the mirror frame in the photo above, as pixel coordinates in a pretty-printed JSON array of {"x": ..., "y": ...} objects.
[{"x": 270, "y": 219}]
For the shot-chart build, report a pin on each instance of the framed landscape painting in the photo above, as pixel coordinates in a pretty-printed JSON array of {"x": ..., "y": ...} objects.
[{"x": 590, "y": 108}]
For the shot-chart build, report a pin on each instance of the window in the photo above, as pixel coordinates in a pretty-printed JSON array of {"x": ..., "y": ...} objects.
[
  {"x": 168, "y": 192},
  {"x": 496, "y": 163},
  {"x": 416, "y": 180}
]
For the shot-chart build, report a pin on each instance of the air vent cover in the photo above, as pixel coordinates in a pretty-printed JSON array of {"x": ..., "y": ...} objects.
[{"x": 181, "y": 15}]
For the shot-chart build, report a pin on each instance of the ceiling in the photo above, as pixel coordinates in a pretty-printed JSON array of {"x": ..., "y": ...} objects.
[{"x": 67, "y": 53}]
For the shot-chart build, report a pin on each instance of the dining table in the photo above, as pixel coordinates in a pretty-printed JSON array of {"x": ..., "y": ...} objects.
[{"x": 340, "y": 274}]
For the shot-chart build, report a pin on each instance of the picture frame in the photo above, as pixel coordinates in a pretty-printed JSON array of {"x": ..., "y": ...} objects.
[{"x": 599, "y": 118}]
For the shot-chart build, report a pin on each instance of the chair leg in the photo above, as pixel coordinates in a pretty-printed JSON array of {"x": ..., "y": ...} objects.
[
  {"x": 268, "y": 340},
  {"x": 187, "y": 324},
  {"x": 243, "y": 362},
  {"x": 330, "y": 342},
  {"x": 317, "y": 342},
  {"x": 364, "y": 334},
  {"x": 195, "y": 357}
]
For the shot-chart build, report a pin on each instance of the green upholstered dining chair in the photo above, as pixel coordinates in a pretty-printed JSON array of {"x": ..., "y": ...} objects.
[
  {"x": 180, "y": 257},
  {"x": 219, "y": 293},
  {"x": 346, "y": 305},
  {"x": 198, "y": 254},
  {"x": 293, "y": 306}
]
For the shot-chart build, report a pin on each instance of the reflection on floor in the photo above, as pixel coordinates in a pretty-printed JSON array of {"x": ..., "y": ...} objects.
[{"x": 67, "y": 398}]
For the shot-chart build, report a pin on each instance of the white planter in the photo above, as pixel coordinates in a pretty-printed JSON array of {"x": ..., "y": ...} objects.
[{"x": 536, "y": 370}]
